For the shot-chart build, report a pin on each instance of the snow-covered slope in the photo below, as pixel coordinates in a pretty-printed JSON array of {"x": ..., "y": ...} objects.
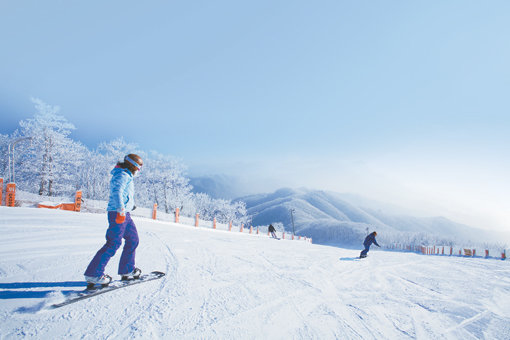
[
  {"x": 228, "y": 285},
  {"x": 342, "y": 219}
]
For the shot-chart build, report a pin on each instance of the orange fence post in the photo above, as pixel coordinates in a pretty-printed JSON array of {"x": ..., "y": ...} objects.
[
  {"x": 196, "y": 220},
  {"x": 486, "y": 253},
  {"x": 242, "y": 228},
  {"x": 154, "y": 210},
  {"x": 503, "y": 255},
  {"x": 10, "y": 198},
  {"x": 230, "y": 226},
  {"x": 1, "y": 189},
  {"x": 251, "y": 229},
  {"x": 451, "y": 251},
  {"x": 257, "y": 230},
  {"x": 214, "y": 223},
  {"x": 77, "y": 201},
  {"x": 176, "y": 215},
  {"x": 283, "y": 235}
]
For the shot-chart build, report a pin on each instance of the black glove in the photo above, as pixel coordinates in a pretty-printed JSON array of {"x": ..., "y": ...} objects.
[{"x": 134, "y": 207}]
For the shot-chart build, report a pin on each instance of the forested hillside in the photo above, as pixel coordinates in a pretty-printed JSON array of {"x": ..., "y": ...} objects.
[
  {"x": 342, "y": 219},
  {"x": 42, "y": 157}
]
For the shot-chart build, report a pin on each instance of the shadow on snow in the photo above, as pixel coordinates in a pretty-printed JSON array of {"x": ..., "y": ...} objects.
[
  {"x": 36, "y": 294},
  {"x": 350, "y": 258}
]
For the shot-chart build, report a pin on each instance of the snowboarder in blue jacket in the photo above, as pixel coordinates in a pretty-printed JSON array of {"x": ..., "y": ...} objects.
[
  {"x": 367, "y": 243},
  {"x": 121, "y": 226}
]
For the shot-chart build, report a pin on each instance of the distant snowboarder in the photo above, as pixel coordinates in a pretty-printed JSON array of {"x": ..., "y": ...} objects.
[
  {"x": 121, "y": 226},
  {"x": 272, "y": 230},
  {"x": 367, "y": 243}
]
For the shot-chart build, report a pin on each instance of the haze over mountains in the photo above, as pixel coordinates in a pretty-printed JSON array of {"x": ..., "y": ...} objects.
[
  {"x": 218, "y": 186},
  {"x": 344, "y": 219}
]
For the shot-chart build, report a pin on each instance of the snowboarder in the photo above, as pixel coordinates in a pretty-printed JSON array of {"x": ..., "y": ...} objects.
[
  {"x": 272, "y": 230},
  {"x": 121, "y": 226},
  {"x": 367, "y": 243}
]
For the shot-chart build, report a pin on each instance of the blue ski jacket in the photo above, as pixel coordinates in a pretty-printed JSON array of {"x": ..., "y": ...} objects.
[
  {"x": 369, "y": 240},
  {"x": 122, "y": 191}
]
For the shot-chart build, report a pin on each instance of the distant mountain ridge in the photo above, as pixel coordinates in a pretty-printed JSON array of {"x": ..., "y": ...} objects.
[
  {"x": 217, "y": 186},
  {"x": 344, "y": 219}
]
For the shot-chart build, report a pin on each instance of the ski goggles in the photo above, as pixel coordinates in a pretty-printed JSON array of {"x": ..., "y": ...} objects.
[{"x": 135, "y": 164}]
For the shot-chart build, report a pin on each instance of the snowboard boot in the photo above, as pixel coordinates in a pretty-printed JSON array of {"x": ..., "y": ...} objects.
[
  {"x": 92, "y": 281},
  {"x": 134, "y": 275}
]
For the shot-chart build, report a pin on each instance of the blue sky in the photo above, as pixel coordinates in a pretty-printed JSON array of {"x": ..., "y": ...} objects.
[{"x": 402, "y": 101}]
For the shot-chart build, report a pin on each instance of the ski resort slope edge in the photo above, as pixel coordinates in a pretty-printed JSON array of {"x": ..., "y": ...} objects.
[{"x": 227, "y": 285}]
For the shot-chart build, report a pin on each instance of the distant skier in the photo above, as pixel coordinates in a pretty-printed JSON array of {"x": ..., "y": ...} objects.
[
  {"x": 367, "y": 243},
  {"x": 272, "y": 230},
  {"x": 121, "y": 226}
]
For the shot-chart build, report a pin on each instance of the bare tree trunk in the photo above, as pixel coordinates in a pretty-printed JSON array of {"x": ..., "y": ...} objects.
[
  {"x": 167, "y": 208},
  {"x": 41, "y": 187},
  {"x": 50, "y": 175},
  {"x": 50, "y": 185},
  {"x": 155, "y": 193},
  {"x": 43, "y": 176}
]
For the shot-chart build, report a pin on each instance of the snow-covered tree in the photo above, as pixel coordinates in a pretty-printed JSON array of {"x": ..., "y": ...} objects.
[
  {"x": 224, "y": 211},
  {"x": 163, "y": 181},
  {"x": 47, "y": 164},
  {"x": 4, "y": 157},
  {"x": 54, "y": 164},
  {"x": 94, "y": 176},
  {"x": 203, "y": 203},
  {"x": 116, "y": 149}
]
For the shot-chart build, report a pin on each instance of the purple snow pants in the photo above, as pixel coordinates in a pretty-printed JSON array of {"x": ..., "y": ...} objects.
[{"x": 114, "y": 235}]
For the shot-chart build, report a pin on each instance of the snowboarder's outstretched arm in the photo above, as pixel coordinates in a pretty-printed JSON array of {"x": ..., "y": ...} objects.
[{"x": 371, "y": 239}]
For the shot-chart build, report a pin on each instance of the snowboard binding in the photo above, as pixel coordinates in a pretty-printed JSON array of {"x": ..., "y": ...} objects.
[
  {"x": 134, "y": 275},
  {"x": 103, "y": 280}
]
